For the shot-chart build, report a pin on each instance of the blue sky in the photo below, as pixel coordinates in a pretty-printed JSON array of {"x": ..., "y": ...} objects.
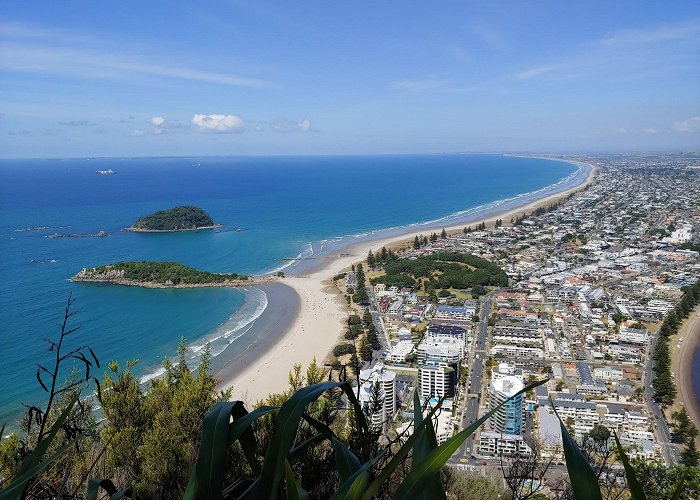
[{"x": 141, "y": 78}]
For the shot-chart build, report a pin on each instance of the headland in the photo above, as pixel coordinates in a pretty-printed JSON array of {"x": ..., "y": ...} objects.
[{"x": 152, "y": 274}]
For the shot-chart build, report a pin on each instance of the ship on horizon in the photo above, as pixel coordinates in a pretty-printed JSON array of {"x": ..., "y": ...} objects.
[{"x": 105, "y": 172}]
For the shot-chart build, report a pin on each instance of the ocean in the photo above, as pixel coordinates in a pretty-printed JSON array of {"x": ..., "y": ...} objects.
[{"x": 271, "y": 209}]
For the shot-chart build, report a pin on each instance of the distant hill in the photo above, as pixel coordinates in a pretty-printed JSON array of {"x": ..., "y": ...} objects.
[{"x": 184, "y": 218}]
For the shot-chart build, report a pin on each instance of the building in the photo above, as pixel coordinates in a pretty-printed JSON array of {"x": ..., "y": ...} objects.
[
  {"x": 512, "y": 351},
  {"x": 607, "y": 374},
  {"x": 508, "y": 419},
  {"x": 399, "y": 351},
  {"x": 508, "y": 445},
  {"x": 386, "y": 381},
  {"x": 549, "y": 433},
  {"x": 439, "y": 331},
  {"x": 458, "y": 313},
  {"x": 447, "y": 349},
  {"x": 437, "y": 379}
]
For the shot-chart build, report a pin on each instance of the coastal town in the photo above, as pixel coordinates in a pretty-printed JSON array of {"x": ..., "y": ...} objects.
[{"x": 590, "y": 279}]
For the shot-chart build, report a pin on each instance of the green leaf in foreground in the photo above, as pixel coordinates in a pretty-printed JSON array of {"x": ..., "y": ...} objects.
[
  {"x": 636, "y": 491},
  {"x": 420, "y": 476},
  {"x": 288, "y": 419},
  {"x": 426, "y": 443},
  {"x": 294, "y": 491},
  {"x": 36, "y": 462}
]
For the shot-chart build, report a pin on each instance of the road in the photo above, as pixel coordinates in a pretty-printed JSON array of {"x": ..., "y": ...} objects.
[
  {"x": 663, "y": 434},
  {"x": 374, "y": 310},
  {"x": 475, "y": 382}
]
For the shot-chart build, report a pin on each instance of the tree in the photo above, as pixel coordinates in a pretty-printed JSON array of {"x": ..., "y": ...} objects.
[
  {"x": 367, "y": 318},
  {"x": 524, "y": 474},
  {"x": 370, "y": 259},
  {"x": 416, "y": 243},
  {"x": 682, "y": 426},
  {"x": 690, "y": 455},
  {"x": 467, "y": 487},
  {"x": 411, "y": 358},
  {"x": 365, "y": 349},
  {"x": 659, "y": 482},
  {"x": 443, "y": 234}
]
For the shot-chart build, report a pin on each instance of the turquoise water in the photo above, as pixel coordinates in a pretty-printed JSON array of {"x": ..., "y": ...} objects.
[{"x": 286, "y": 206}]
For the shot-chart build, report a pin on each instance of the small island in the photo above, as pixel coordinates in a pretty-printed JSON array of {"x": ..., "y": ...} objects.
[
  {"x": 152, "y": 274},
  {"x": 183, "y": 218}
]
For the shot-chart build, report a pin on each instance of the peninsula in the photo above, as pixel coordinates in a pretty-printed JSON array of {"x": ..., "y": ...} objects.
[
  {"x": 151, "y": 274},
  {"x": 182, "y": 218}
]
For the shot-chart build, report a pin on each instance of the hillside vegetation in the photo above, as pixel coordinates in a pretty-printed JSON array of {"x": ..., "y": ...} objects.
[
  {"x": 176, "y": 219},
  {"x": 166, "y": 273},
  {"x": 446, "y": 270}
]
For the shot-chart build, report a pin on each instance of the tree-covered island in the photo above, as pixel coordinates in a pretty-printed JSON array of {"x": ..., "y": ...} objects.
[
  {"x": 183, "y": 218},
  {"x": 151, "y": 274}
]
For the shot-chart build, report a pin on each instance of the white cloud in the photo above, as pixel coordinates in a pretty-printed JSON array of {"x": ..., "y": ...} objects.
[
  {"x": 284, "y": 125},
  {"x": 137, "y": 133},
  {"x": 626, "y": 55},
  {"x": 622, "y": 130},
  {"x": 689, "y": 125},
  {"x": 162, "y": 125},
  {"x": 219, "y": 124},
  {"x": 37, "y": 50},
  {"x": 650, "y": 131},
  {"x": 304, "y": 125}
]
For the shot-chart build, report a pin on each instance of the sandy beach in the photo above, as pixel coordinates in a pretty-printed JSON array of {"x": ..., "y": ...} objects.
[
  {"x": 682, "y": 365},
  {"x": 323, "y": 310}
]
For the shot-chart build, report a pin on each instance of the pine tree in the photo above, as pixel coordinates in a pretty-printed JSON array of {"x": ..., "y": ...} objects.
[
  {"x": 416, "y": 243},
  {"x": 443, "y": 234},
  {"x": 370, "y": 259},
  {"x": 365, "y": 349},
  {"x": 367, "y": 318},
  {"x": 384, "y": 254}
]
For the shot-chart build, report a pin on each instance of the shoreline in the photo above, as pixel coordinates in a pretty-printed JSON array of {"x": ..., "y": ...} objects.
[
  {"x": 319, "y": 323},
  {"x": 682, "y": 365}
]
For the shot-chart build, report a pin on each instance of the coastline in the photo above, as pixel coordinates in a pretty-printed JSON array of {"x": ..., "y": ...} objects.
[
  {"x": 682, "y": 365},
  {"x": 319, "y": 323}
]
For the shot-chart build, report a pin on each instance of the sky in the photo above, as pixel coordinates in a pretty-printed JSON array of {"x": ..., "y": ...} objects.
[{"x": 232, "y": 77}]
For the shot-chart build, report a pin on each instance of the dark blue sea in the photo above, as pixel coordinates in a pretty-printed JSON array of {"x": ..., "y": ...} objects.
[{"x": 271, "y": 208}]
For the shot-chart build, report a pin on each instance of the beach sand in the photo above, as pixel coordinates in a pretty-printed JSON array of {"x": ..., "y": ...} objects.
[
  {"x": 323, "y": 310},
  {"x": 682, "y": 365}
]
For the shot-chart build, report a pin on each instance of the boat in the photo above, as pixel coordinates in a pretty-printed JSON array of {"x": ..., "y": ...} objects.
[{"x": 105, "y": 172}]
